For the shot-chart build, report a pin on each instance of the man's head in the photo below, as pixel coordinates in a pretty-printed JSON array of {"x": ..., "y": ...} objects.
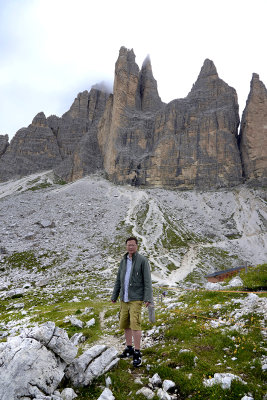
[{"x": 131, "y": 245}]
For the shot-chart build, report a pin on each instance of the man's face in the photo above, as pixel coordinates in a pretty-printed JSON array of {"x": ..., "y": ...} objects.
[{"x": 131, "y": 247}]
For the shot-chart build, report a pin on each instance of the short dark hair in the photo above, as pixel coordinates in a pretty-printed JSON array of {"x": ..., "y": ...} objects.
[{"x": 131, "y": 238}]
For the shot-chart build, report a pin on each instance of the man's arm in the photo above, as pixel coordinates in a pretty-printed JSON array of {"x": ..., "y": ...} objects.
[{"x": 117, "y": 287}]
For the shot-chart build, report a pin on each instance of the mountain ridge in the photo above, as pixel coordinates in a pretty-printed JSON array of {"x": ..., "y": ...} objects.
[{"x": 137, "y": 139}]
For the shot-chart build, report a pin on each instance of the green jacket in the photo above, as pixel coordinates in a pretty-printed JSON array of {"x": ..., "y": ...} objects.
[{"x": 140, "y": 286}]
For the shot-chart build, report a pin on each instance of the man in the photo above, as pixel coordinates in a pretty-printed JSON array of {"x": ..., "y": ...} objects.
[{"x": 133, "y": 284}]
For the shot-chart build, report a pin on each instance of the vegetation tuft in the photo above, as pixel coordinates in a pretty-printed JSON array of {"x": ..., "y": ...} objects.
[{"x": 255, "y": 278}]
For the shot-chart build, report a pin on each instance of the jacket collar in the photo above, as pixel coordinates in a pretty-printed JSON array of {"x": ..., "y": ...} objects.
[{"x": 134, "y": 255}]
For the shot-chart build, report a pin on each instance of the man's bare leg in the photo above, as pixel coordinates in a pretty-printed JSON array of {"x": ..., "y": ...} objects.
[
  {"x": 128, "y": 337},
  {"x": 133, "y": 336},
  {"x": 137, "y": 339}
]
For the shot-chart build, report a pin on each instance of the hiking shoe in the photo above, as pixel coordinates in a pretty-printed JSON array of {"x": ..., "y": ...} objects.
[
  {"x": 128, "y": 352},
  {"x": 137, "y": 359}
]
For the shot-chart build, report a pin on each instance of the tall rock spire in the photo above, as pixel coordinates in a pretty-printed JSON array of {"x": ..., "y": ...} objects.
[
  {"x": 253, "y": 133},
  {"x": 150, "y": 100},
  {"x": 188, "y": 143},
  {"x": 126, "y": 80}
]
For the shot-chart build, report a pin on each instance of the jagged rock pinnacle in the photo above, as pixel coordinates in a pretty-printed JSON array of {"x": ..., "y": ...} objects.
[
  {"x": 150, "y": 100},
  {"x": 253, "y": 133},
  {"x": 208, "y": 69},
  {"x": 40, "y": 120}
]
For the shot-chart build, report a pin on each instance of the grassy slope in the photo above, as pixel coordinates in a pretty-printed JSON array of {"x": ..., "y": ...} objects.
[{"x": 186, "y": 325}]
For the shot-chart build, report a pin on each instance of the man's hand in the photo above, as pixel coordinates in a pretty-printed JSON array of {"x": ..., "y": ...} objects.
[
  {"x": 113, "y": 301},
  {"x": 147, "y": 303}
]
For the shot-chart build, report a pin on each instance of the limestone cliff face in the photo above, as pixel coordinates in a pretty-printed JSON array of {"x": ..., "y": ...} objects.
[
  {"x": 122, "y": 130},
  {"x": 189, "y": 142},
  {"x": 137, "y": 139},
  {"x": 253, "y": 133},
  {"x": 3, "y": 144},
  {"x": 68, "y": 145},
  {"x": 76, "y": 134},
  {"x": 32, "y": 149}
]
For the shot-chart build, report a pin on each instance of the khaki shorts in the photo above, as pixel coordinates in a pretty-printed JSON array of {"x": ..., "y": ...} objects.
[{"x": 130, "y": 315}]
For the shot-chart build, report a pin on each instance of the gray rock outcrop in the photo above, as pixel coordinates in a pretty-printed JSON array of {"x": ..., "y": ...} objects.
[
  {"x": 3, "y": 144},
  {"x": 33, "y": 364},
  {"x": 91, "y": 364},
  {"x": 253, "y": 134},
  {"x": 106, "y": 395},
  {"x": 32, "y": 149},
  {"x": 76, "y": 133}
]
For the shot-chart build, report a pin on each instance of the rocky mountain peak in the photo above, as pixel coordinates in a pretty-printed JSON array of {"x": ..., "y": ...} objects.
[
  {"x": 126, "y": 60},
  {"x": 209, "y": 90},
  {"x": 137, "y": 139},
  {"x": 40, "y": 120},
  {"x": 149, "y": 97},
  {"x": 208, "y": 69},
  {"x": 253, "y": 137},
  {"x": 86, "y": 104},
  {"x": 126, "y": 80},
  {"x": 257, "y": 88},
  {"x": 32, "y": 149}
]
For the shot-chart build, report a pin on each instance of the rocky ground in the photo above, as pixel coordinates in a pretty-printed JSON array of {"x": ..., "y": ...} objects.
[
  {"x": 86, "y": 221},
  {"x": 60, "y": 246}
]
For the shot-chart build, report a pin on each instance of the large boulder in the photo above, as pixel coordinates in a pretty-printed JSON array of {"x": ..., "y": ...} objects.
[
  {"x": 91, "y": 364},
  {"x": 33, "y": 363}
]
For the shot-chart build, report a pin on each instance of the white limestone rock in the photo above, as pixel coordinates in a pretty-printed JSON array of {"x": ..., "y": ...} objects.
[
  {"x": 56, "y": 339},
  {"x": 162, "y": 395},
  {"x": 90, "y": 323},
  {"x": 224, "y": 380},
  {"x": 167, "y": 385},
  {"x": 91, "y": 364},
  {"x": 32, "y": 365},
  {"x": 108, "y": 381},
  {"x": 106, "y": 395},
  {"x": 77, "y": 338},
  {"x": 235, "y": 282},
  {"x": 28, "y": 369},
  {"x": 76, "y": 322},
  {"x": 68, "y": 394},
  {"x": 155, "y": 380},
  {"x": 46, "y": 223},
  {"x": 148, "y": 393}
]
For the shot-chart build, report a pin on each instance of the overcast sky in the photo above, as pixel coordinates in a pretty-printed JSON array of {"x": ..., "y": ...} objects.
[{"x": 50, "y": 50}]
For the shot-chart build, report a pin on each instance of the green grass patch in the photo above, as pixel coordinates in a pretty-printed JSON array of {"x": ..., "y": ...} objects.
[
  {"x": 184, "y": 346},
  {"x": 24, "y": 259},
  {"x": 40, "y": 186},
  {"x": 255, "y": 278}
]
